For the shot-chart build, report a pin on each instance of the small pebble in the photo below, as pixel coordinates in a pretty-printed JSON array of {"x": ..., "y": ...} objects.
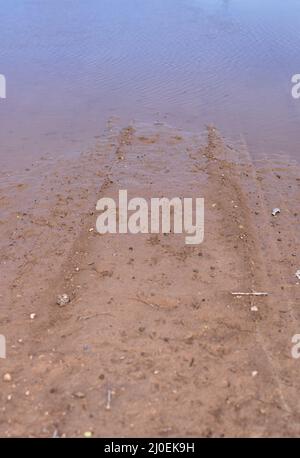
[
  {"x": 7, "y": 377},
  {"x": 32, "y": 316},
  {"x": 62, "y": 300},
  {"x": 276, "y": 211},
  {"x": 79, "y": 395},
  {"x": 88, "y": 434}
]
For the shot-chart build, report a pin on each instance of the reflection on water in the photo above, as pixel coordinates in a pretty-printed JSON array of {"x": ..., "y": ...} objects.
[{"x": 71, "y": 65}]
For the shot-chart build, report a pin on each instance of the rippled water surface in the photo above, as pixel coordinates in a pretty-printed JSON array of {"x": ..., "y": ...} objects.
[{"x": 71, "y": 65}]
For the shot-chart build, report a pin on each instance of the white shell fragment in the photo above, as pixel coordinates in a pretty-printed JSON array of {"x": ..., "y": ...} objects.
[
  {"x": 62, "y": 300},
  {"x": 298, "y": 274},
  {"x": 7, "y": 377},
  {"x": 275, "y": 211}
]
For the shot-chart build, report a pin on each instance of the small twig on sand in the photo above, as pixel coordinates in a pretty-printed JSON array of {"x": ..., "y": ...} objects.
[
  {"x": 254, "y": 293},
  {"x": 88, "y": 317},
  {"x": 55, "y": 434},
  {"x": 108, "y": 402},
  {"x": 138, "y": 298}
]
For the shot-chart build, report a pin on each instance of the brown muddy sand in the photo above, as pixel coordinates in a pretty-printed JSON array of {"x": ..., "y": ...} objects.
[{"x": 152, "y": 343}]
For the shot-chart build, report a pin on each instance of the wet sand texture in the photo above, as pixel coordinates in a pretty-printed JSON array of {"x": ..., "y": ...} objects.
[{"x": 152, "y": 343}]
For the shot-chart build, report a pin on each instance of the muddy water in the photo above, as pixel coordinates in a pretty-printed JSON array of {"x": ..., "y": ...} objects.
[{"x": 72, "y": 65}]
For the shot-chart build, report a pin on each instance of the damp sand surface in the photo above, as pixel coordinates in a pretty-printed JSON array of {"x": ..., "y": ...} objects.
[{"x": 153, "y": 343}]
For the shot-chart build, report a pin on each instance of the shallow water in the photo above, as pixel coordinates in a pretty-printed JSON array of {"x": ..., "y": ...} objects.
[{"x": 71, "y": 65}]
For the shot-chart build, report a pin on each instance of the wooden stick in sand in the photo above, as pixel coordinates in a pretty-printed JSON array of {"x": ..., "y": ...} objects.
[{"x": 254, "y": 293}]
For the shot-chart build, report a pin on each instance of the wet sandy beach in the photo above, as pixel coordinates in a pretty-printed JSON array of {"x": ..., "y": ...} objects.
[
  {"x": 187, "y": 98},
  {"x": 153, "y": 343}
]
